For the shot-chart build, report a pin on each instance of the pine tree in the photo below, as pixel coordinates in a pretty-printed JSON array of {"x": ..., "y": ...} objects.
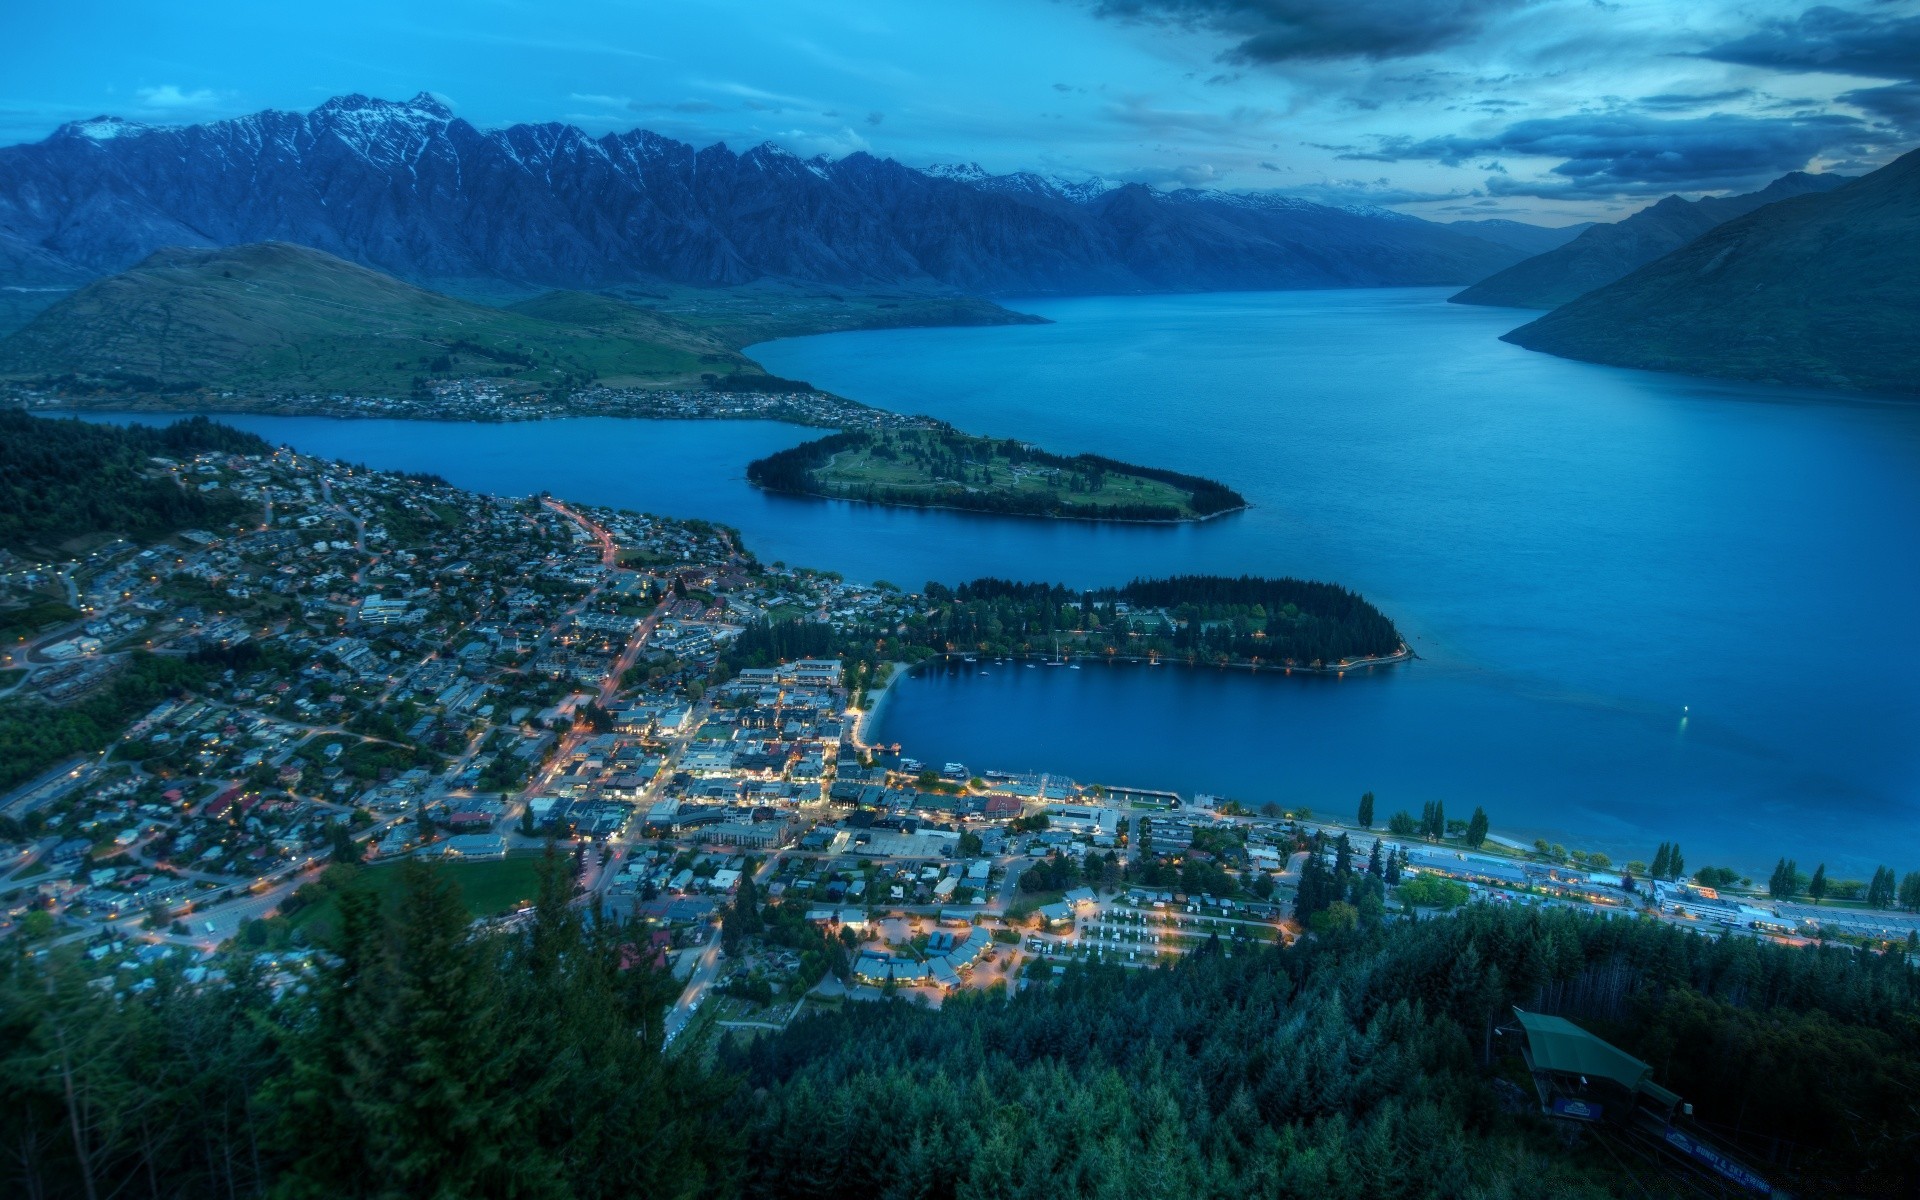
[
  {"x": 1817, "y": 888},
  {"x": 1426, "y": 819},
  {"x": 1662, "y": 862},
  {"x": 1366, "y": 810},
  {"x": 1910, "y": 891},
  {"x": 1880, "y": 891},
  {"x": 1313, "y": 893},
  {"x": 345, "y": 849},
  {"x": 1676, "y": 863},
  {"x": 1375, "y": 866},
  {"x": 1477, "y": 828},
  {"x": 1342, "y": 861},
  {"x": 1439, "y": 820}
]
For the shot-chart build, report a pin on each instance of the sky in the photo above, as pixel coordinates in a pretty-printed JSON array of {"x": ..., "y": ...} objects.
[{"x": 1543, "y": 110}]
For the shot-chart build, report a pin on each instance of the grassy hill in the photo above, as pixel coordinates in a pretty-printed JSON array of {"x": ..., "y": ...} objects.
[
  {"x": 1820, "y": 290},
  {"x": 274, "y": 318}
]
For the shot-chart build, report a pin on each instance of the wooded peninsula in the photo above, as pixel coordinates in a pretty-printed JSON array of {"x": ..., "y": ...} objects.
[{"x": 943, "y": 468}]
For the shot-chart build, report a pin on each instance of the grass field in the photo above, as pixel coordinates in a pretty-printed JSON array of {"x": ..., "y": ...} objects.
[
  {"x": 488, "y": 887},
  {"x": 927, "y": 467}
]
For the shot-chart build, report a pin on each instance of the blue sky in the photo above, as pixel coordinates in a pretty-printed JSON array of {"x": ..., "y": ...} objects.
[{"x": 1549, "y": 110}]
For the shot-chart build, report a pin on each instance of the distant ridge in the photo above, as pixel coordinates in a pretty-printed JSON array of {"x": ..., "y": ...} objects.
[
  {"x": 1820, "y": 290},
  {"x": 275, "y": 318},
  {"x": 1605, "y": 253},
  {"x": 412, "y": 190}
]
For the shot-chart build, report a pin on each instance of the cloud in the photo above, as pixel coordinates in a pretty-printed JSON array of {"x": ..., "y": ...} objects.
[
  {"x": 1631, "y": 154},
  {"x": 1143, "y": 113},
  {"x": 167, "y": 98},
  {"x": 1687, "y": 101},
  {"x": 1831, "y": 40},
  {"x": 1182, "y": 175},
  {"x": 1897, "y": 103},
  {"x": 1368, "y": 193},
  {"x": 1273, "y": 31},
  {"x": 666, "y": 106},
  {"x": 874, "y": 118}
]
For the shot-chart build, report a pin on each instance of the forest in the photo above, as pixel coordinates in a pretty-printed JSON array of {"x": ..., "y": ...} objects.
[
  {"x": 1217, "y": 619},
  {"x": 63, "y": 479},
  {"x": 1366, "y": 1060},
  {"x": 35, "y": 735}
]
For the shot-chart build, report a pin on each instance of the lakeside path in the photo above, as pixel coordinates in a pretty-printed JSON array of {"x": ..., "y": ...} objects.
[{"x": 876, "y": 701}]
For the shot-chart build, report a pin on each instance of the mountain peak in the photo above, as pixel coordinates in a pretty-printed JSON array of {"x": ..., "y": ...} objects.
[
  {"x": 102, "y": 128},
  {"x": 423, "y": 104}
]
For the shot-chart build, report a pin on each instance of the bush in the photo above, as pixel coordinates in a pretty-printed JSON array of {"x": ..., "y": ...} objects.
[{"x": 1429, "y": 891}]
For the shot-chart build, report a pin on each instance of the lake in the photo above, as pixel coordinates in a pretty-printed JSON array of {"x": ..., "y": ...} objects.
[{"x": 1648, "y": 608}]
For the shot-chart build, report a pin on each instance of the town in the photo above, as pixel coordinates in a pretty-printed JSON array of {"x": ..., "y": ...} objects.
[
  {"x": 370, "y": 667},
  {"x": 492, "y": 400}
]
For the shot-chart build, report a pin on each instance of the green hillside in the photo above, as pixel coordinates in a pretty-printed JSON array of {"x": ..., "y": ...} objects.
[
  {"x": 1820, "y": 290},
  {"x": 274, "y": 318}
]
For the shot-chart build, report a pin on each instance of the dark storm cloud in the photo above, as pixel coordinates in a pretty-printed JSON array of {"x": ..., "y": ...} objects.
[
  {"x": 1270, "y": 31},
  {"x": 1833, "y": 40},
  {"x": 1897, "y": 103},
  {"x": 1631, "y": 154}
]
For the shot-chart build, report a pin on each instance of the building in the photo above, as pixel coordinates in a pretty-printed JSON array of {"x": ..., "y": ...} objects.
[{"x": 1084, "y": 819}]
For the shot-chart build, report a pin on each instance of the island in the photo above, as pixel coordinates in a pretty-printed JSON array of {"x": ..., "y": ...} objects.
[{"x": 940, "y": 467}]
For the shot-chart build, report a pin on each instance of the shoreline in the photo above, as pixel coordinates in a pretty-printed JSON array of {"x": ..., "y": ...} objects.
[
  {"x": 877, "y": 703},
  {"x": 1404, "y": 655},
  {"x": 992, "y": 512}
]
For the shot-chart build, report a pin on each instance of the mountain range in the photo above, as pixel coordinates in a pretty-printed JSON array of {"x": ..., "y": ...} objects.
[
  {"x": 1604, "y": 253},
  {"x": 410, "y": 189},
  {"x": 1821, "y": 289}
]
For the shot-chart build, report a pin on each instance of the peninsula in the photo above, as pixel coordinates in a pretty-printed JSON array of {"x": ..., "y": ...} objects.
[{"x": 943, "y": 468}]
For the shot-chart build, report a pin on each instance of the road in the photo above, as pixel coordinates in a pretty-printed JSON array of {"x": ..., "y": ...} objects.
[{"x": 708, "y": 965}]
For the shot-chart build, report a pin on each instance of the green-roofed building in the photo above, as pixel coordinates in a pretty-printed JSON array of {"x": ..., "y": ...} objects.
[{"x": 1580, "y": 1076}]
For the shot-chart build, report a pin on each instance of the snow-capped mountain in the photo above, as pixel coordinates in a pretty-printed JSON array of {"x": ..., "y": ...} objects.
[{"x": 412, "y": 189}]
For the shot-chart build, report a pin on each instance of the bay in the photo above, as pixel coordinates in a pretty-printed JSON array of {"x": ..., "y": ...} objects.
[{"x": 1648, "y": 608}]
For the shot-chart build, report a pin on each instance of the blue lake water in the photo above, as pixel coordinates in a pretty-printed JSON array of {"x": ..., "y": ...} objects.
[{"x": 1579, "y": 554}]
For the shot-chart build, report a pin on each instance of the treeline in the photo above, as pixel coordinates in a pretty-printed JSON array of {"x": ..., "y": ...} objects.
[
  {"x": 423, "y": 1059},
  {"x": 1358, "y": 1063},
  {"x": 1219, "y": 618},
  {"x": 1276, "y": 621},
  {"x": 755, "y": 384},
  {"x": 791, "y": 470},
  {"x": 1205, "y": 496},
  {"x": 61, "y": 479},
  {"x": 1004, "y": 503}
]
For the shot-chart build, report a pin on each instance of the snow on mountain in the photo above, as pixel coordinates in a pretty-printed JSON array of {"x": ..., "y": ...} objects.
[{"x": 410, "y": 188}]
